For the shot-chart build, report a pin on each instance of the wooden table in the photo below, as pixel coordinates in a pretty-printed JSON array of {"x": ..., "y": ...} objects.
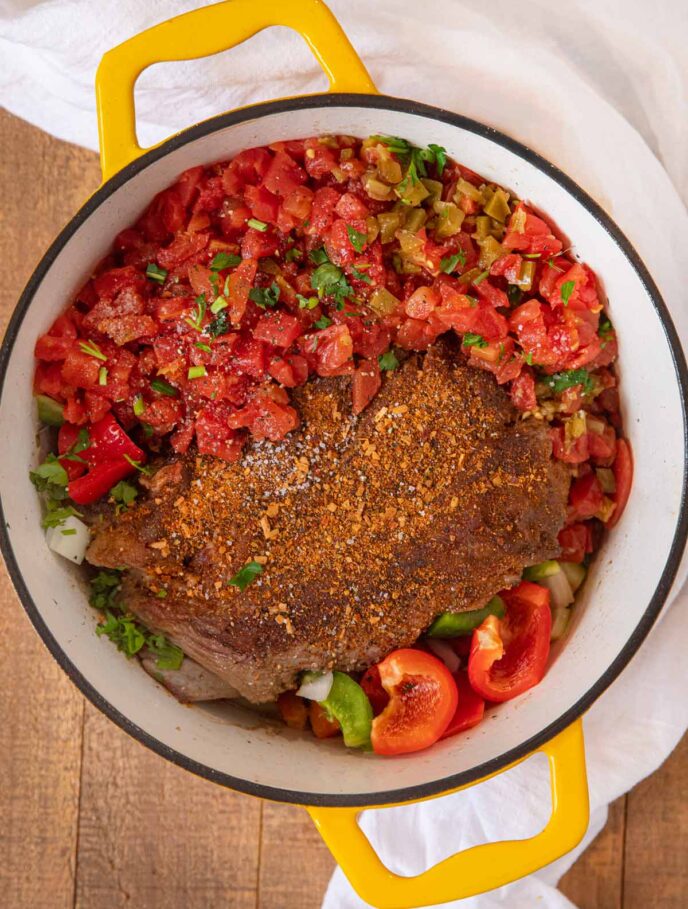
[{"x": 90, "y": 818}]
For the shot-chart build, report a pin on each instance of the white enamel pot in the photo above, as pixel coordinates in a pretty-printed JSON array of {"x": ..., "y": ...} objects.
[{"x": 629, "y": 580}]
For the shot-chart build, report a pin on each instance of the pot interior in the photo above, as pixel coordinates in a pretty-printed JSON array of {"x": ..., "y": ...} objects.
[{"x": 240, "y": 748}]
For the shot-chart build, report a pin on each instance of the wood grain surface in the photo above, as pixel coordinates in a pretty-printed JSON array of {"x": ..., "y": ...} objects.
[{"x": 89, "y": 818}]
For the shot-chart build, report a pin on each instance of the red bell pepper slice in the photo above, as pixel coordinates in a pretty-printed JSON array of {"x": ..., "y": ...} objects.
[
  {"x": 98, "y": 481},
  {"x": 109, "y": 442},
  {"x": 422, "y": 701},
  {"x": 509, "y": 655},
  {"x": 470, "y": 709},
  {"x": 623, "y": 477}
]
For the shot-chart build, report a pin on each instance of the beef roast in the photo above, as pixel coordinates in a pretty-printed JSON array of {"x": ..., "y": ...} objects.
[{"x": 432, "y": 500}]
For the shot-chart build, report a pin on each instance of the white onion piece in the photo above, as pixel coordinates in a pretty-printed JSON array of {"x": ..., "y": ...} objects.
[
  {"x": 316, "y": 685},
  {"x": 444, "y": 651},
  {"x": 560, "y": 591},
  {"x": 560, "y": 621},
  {"x": 73, "y": 544}
]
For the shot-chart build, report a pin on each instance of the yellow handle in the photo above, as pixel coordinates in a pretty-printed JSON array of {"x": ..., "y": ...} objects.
[
  {"x": 201, "y": 33},
  {"x": 477, "y": 869}
]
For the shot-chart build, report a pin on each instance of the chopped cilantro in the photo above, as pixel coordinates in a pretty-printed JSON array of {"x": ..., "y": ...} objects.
[
  {"x": 329, "y": 280},
  {"x": 265, "y": 297},
  {"x": 155, "y": 273},
  {"x": 57, "y": 514},
  {"x": 246, "y": 575},
  {"x": 567, "y": 289},
  {"x": 388, "y": 361},
  {"x": 219, "y": 326},
  {"x": 606, "y": 330},
  {"x": 50, "y": 477},
  {"x": 560, "y": 381},
  {"x": 225, "y": 260},
  {"x": 360, "y": 275},
  {"x": 470, "y": 339},
  {"x": 293, "y": 254},
  {"x": 164, "y": 388},
  {"x": 323, "y": 322},
  {"x": 440, "y": 155},
  {"x": 123, "y": 629},
  {"x": 123, "y": 494},
  {"x": 357, "y": 239},
  {"x": 318, "y": 256}
]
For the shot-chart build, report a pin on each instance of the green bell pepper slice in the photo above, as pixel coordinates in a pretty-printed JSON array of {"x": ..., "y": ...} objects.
[
  {"x": 454, "y": 624},
  {"x": 348, "y": 704}
]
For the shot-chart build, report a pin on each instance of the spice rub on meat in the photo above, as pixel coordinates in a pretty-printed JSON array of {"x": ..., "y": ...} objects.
[{"x": 432, "y": 500}]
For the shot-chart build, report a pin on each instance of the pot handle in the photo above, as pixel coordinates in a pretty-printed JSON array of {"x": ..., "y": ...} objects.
[
  {"x": 477, "y": 869},
  {"x": 201, "y": 33}
]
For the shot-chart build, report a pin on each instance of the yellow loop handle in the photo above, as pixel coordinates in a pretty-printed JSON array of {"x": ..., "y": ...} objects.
[
  {"x": 477, "y": 869},
  {"x": 201, "y": 33}
]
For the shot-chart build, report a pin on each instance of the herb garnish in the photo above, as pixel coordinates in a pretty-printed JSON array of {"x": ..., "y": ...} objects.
[
  {"x": 225, "y": 260},
  {"x": 293, "y": 254},
  {"x": 449, "y": 263},
  {"x": 357, "y": 239},
  {"x": 198, "y": 316},
  {"x": 164, "y": 388},
  {"x": 102, "y": 375},
  {"x": 307, "y": 302},
  {"x": 91, "y": 348},
  {"x": 514, "y": 293},
  {"x": 481, "y": 277},
  {"x": 155, "y": 273},
  {"x": 123, "y": 494},
  {"x": 566, "y": 290},
  {"x": 470, "y": 339},
  {"x": 318, "y": 256},
  {"x": 388, "y": 361},
  {"x": 246, "y": 575},
  {"x": 265, "y": 297},
  {"x": 560, "y": 381},
  {"x": 138, "y": 406},
  {"x": 360, "y": 275},
  {"x": 197, "y": 372},
  {"x": 323, "y": 322},
  {"x": 219, "y": 326},
  {"x": 329, "y": 280},
  {"x": 257, "y": 225},
  {"x": 138, "y": 465}
]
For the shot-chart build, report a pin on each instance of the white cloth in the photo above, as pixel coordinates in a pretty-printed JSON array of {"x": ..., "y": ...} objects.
[{"x": 597, "y": 86}]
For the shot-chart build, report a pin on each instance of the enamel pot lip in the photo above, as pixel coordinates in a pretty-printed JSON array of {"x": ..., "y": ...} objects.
[{"x": 487, "y": 768}]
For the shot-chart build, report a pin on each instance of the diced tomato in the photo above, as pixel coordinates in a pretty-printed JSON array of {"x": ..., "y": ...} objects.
[
  {"x": 264, "y": 205},
  {"x": 298, "y": 203},
  {"x": 239, "y": 286},
  {"x": 187, "y": 185},
  {"x": 52, "y": 350},
  {"x": 322, "y": 211},
  {"x": 273, "y": 420},
  {"x": 257, "y": 244},
  {"x": 351, "y": 208},
  {"x": 422, "y": 302},
  {"x": 110, "y": 283},
  {"x": 602, "y": 446},
  {"x": 278, "y": 328},
  {"x": 334, "y": 347},
  {"x": 422, "y": 701},
  {"x": 575, "y": 541},
  {"x": 522, "y": 391},
  {"x": 80, "y": 369},
  {"x": 528, "y": 233},
  {"x": 323, "y": 727},
  {"x": 509, "y": 655},
  {"x": 213, "y": 434},
  {"x": 365, "y": 384},
  {"x": 469, "y": 710},
  {"x": 572, "y": 451},
  {"x": 283, "y": 175},
  {"x": 319, "y": 160},
  {"x": 181, "y": 248},
  {"x": 623, "y": 476},
  {"x": 289, "y": 371},
  {"x": 585, "y": 497}
]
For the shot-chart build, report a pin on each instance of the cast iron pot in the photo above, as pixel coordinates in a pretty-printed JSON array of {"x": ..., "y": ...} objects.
[{"x": 629, "y": 580}]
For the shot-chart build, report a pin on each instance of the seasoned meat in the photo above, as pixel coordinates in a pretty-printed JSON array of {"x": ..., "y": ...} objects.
[{"x": 432, "y": 500}]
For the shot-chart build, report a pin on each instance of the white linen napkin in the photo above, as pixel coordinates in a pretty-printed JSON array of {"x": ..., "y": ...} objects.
[{"x": 598, "y": 87}]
